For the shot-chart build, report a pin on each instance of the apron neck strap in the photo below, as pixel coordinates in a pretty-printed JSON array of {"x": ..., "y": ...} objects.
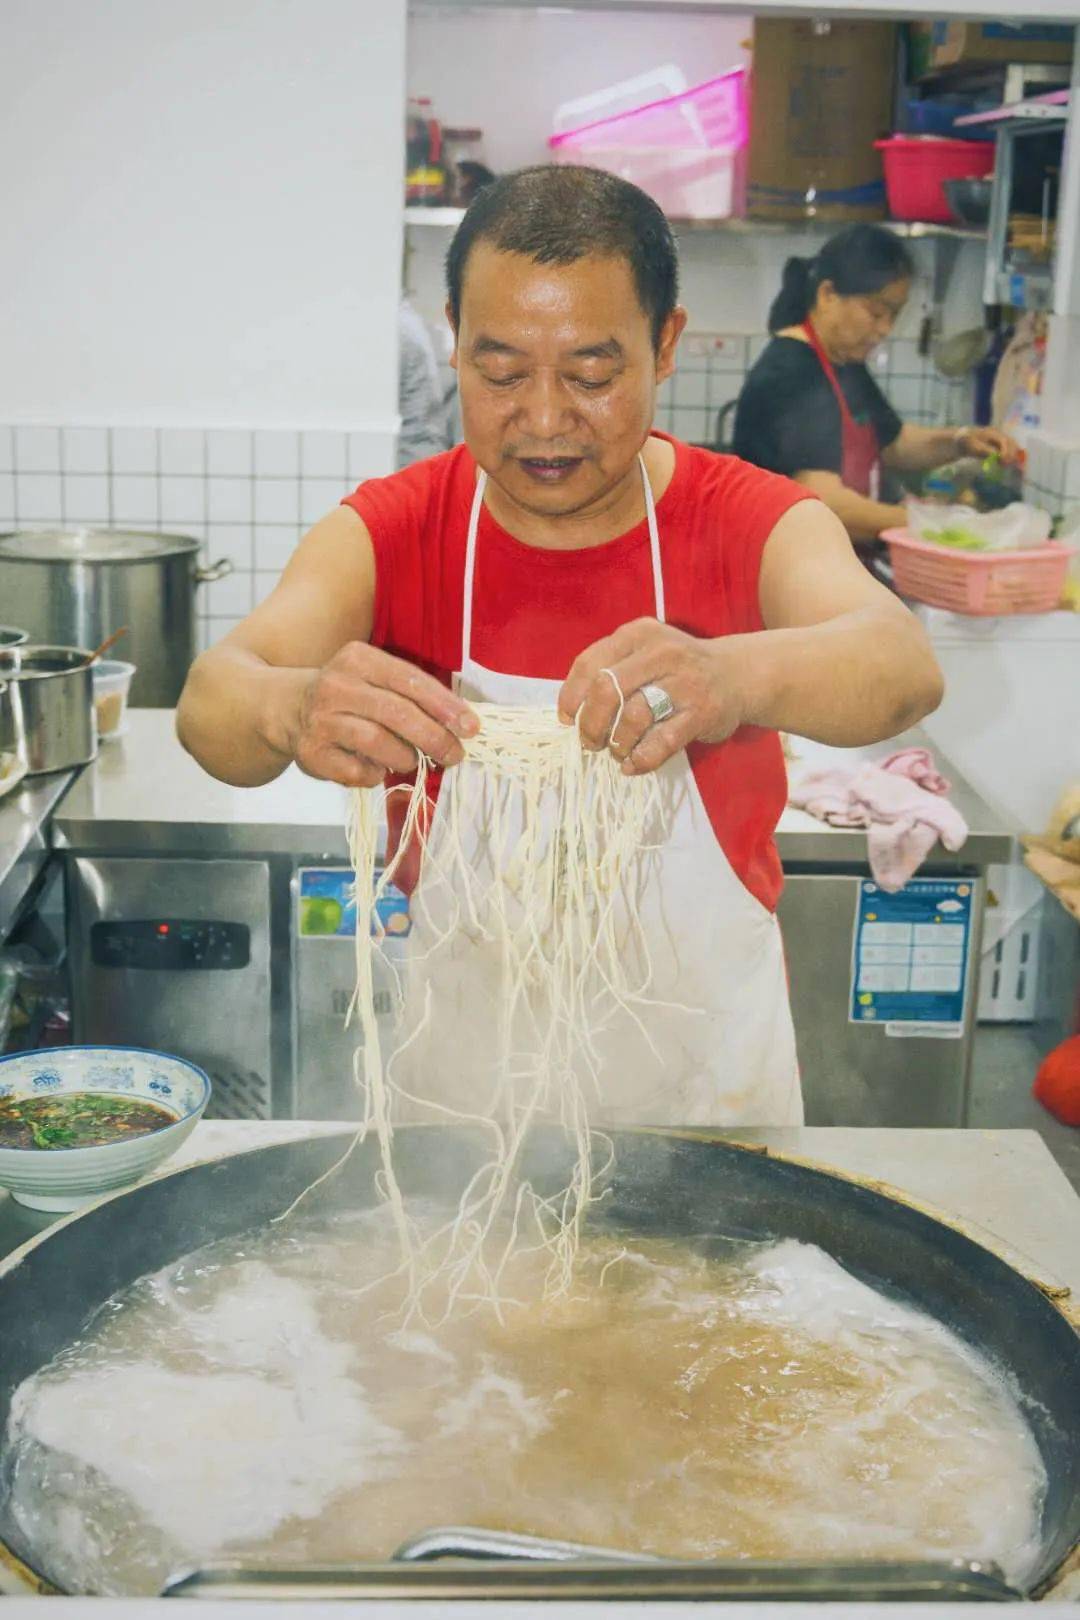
[
  {"x": 470, "y": 556},
  {"x": 830, "y": 371},
  {"x": 470, "y": 568},
  {"x": 654, "y": 540}
]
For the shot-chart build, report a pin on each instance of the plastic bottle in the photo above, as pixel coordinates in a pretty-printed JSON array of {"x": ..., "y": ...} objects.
[
  {"x": 938, "y": 488},
  {"x": 425, "y": 176}
]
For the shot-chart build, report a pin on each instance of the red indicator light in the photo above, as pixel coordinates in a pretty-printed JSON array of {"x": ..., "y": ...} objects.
[{"x": 163, "y": 928}]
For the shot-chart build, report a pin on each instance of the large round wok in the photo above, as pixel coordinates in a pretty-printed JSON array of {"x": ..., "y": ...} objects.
[{"x": 663, "y": 1183}]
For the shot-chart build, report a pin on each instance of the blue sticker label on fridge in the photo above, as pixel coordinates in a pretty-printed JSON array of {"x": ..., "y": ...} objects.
[
  {"x": 326, "y": 906},
  {"x": 910, "y": 957}
]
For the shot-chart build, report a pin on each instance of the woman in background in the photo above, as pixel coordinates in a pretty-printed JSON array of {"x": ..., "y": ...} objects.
[{"x": 810, "y": 407}]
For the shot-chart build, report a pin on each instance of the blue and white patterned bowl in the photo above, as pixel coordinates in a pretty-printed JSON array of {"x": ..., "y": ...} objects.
[{"x": 64, "y": 1178}]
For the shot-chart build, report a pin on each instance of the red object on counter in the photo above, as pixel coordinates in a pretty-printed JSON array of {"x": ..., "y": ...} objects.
[
  {"x": 1057, "y": 1084},
  {"x": 916, "y": 165}
]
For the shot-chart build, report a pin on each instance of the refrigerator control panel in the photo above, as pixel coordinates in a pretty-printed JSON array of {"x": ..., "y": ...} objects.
[{"x": 171, "y": 944}]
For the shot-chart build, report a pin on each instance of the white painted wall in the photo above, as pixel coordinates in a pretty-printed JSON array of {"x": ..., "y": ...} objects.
[
  {"x": 1061, "y": 390},
  {"x": 1033, "y": 11},
  {"x": 1010, "y": 721},
  {"x": 201, "y": 212}
]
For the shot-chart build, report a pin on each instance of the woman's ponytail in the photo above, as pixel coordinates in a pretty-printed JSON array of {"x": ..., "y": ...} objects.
[
  {"x": 795, "y": 299},
  {"x": 859, "y": 261}
]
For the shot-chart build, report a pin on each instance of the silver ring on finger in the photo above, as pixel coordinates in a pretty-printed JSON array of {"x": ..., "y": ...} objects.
[{"x": 660, "y": 705}]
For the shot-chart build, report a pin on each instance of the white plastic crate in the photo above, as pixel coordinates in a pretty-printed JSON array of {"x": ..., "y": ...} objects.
[
  {"x": 657, "y": 85},
  {"x": 1009, "y": 965}
]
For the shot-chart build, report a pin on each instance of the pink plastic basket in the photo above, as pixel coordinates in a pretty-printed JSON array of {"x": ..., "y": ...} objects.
[
  {"x": 984, "y": 584},
  {"x": 712, "y": 114},
  {"x": 916, "y": 167}
]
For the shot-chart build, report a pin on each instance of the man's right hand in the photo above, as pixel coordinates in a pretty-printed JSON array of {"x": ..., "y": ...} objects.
[
  {"x": 291, "y": 682},
  {"x": 366, "y": 713}
]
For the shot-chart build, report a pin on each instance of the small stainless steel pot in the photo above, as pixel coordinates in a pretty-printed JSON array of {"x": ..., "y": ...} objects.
[
  {"x": 11, "y": 637},
  {"x": 47, "y": 707}
]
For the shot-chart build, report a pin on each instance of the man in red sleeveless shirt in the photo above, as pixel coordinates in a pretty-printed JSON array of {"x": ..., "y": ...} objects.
[{"x": 563, "y": 539}]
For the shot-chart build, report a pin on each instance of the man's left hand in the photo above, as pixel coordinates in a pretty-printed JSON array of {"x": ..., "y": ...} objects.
[{"x": 700, "y": 677}]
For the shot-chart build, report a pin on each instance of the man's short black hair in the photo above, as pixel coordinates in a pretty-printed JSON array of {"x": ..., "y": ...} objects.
[{"x": 556, "y": 214}]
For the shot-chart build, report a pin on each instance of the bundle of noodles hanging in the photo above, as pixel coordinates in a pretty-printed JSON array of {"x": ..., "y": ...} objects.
[{"x": 525, "y": 919}]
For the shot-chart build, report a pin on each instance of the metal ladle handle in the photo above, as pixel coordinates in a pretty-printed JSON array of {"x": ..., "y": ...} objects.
[
  {"x": 216, "y": 571},
  {"x": 466, "y": 1541}
]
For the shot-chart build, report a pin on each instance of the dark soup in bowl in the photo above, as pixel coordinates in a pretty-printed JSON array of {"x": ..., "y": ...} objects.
[{"x": 85, "y": 1119}]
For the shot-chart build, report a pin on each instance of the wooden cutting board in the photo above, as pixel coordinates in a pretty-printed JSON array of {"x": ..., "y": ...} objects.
[{"x": 1056, "y": 863}]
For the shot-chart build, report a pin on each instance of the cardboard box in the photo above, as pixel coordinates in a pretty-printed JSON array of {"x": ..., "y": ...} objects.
[
  {"x": 821, "y": 93},
  {"x": 942, "y": 44}
]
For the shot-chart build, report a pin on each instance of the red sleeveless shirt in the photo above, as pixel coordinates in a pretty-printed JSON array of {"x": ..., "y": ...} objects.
[{"x": 535, "y": 610}]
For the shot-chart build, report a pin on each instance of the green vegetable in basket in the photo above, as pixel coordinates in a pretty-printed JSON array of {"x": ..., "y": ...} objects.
[{"x": 958, "y": 539}]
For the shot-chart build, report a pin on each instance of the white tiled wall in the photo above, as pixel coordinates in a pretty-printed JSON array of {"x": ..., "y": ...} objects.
[
  {"x": 1052, "y": 475},
  {"x": 248, "y": 495},
  {"x": 713, "y": 365}
]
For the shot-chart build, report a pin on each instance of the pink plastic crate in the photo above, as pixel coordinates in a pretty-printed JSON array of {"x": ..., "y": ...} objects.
[
  {"x": 689, "y": 182},
  {"x": 984, "y": 584},
  {"x": 712, "y": 114}
]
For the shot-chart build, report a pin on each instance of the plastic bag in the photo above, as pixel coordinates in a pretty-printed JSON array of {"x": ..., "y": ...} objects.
[
  {"x": 1013, "y": 528},
  {"x": 1068, "y": 529},
  {"x": 1017, "y": 395}
]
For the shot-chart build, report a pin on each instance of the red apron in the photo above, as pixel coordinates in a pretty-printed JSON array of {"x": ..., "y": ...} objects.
[
  {"x": 860, "y": 467},
  {"x": 860, "y": 463}
]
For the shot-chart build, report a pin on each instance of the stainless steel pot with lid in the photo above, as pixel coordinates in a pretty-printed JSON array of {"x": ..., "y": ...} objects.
[
  {"x": 73, "y": 587},
  {"x": 47, "y": 707}
]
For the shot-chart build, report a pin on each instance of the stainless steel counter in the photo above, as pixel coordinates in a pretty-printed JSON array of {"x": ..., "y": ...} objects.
[
  {"x": 150, "y": 835},
  {"x": 145, "y": 790},
  {"x": 25, "y": 838}
]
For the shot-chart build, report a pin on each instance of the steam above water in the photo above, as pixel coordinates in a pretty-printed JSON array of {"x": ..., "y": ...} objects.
[{"x": 259, "y": 1397}]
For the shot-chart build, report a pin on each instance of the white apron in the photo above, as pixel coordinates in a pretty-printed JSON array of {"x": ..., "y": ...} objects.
[{"x": 724, "y": 1056}]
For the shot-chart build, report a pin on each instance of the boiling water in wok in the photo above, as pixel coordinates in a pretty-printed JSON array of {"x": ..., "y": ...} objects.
[{"x": 706, "y": 1400}]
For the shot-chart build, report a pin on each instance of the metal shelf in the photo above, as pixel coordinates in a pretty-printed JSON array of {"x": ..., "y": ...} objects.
[
  {"x": 1046, "y": 110},
  {"x": 1025, "y": 289},
  {"x": 1011, "y": 80},
  {"x": 1022, "y": 286},
  {"x": 450, "y": 218},
  {"x": 915, "y": 230}
]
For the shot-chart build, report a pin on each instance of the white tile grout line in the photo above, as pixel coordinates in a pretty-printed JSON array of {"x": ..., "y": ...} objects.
[
  {"x": 252, "y": 555},
  {"x": 63, "y": 480},
  {"x": 14, "y": 479}
]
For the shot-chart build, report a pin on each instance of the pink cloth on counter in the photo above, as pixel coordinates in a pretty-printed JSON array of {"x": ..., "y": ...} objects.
[
  {"x": 918, "y": 764},
  {"x": 898, "y": 800}
]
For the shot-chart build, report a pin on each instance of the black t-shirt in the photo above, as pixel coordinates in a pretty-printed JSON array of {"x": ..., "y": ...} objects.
[{"x": 788, "y": 419}]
